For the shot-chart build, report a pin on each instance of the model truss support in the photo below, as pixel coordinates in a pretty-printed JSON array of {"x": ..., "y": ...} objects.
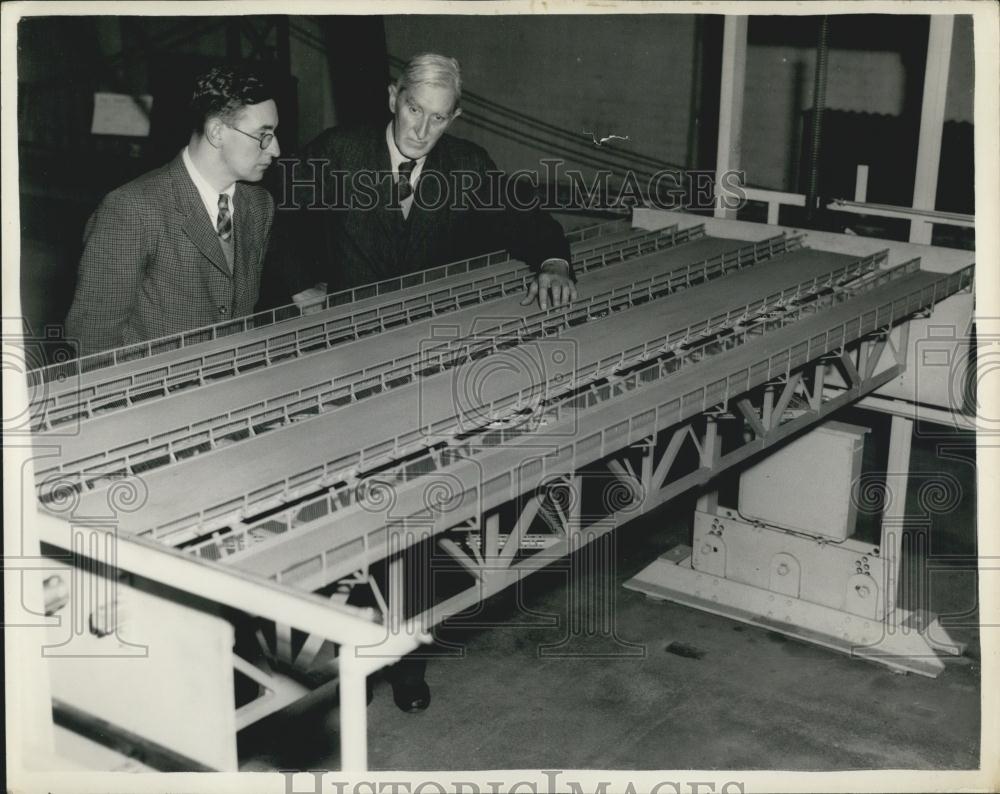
[
  {"x": 278, "y": 691},
  {"x": 551, "y": 521},
  {"x": 766, "y": 413},
  {"x": 494, "y": 561}
]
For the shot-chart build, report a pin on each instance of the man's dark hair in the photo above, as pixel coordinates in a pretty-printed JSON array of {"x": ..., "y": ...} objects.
[{"x": 222, "y": 92}]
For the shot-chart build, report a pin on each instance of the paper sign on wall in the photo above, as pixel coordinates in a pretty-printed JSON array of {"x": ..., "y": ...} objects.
[{"x": 121, "y": 114}]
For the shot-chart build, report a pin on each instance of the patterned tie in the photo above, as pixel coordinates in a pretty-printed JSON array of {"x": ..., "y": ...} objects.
[
  {"x": 403, "y": 181},
  {"x": 224, "y": 226}
]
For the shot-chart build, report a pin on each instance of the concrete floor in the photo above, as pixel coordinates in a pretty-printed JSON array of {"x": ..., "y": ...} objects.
[{"x": 738, "y": 697}]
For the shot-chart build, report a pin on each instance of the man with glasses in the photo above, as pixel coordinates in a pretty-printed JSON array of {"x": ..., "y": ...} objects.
[{"x": 183, "y": 246}]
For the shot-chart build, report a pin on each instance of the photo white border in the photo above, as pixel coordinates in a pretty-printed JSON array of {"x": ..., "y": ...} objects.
[{"x": 987, "y": 158}]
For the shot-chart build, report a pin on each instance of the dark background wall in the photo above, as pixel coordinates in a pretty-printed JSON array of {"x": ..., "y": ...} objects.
[
  {"x": 625, "y": 74},
  {"x": 875, "y": 67}
]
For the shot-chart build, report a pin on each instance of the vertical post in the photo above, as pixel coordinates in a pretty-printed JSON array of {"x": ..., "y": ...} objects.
[
  {"x": 819, "y": 104},
  {"x": 353, "y": 711},
  {"x": 575, "y": 514},
  {"x": 896, "y": 480},
  {"x": 646, "y": 472},
  {"x": 397, "y": 573},
  {"x": 711, "y": 449},
  {"x": 932, "y": 122},
  {"x": 767, "y": 408},
  {"x": 816, "y": 399},
  {"x": 864, "y": 352},
  {"x": 730, "y": 150},
  {"x": 773, "y": 207},
  {"x": 861, "y": 184},
  {"x": 491, "y": 538}
]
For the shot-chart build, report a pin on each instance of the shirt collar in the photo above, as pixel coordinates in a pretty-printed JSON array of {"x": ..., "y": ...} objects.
[
  {"x": 395, "y": 156},
  {"x": 209, "y": 196}
]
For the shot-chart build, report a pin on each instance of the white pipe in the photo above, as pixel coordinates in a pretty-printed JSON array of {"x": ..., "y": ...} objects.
[
  {"x": 889, "y": 211},
  {"x": 353, "y": 711},
  {"x": 932, "y": 122},
  {"x": 861, "y": 184},
  {"x": 729, "y": 154}
]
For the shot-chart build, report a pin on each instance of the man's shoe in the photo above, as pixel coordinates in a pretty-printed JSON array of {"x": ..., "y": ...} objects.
[{"x": 411, "y": 696}]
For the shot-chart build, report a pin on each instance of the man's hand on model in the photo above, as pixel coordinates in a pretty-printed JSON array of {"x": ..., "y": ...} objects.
[
  {"x": 553, "y": 286},
  {"x": 311, "y": 300}
]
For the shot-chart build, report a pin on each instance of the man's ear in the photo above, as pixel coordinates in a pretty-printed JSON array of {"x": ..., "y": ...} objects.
[
  {"x": 213, "y": 131},
  {"x": 454, "y": 115},
  {"x": 393, "y": 98}
]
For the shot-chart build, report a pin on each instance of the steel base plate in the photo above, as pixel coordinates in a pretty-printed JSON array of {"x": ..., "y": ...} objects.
[{"x": 905, "y": 642}]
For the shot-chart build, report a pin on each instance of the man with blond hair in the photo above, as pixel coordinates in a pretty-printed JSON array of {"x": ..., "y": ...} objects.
[{"x": 371, "y": 202}]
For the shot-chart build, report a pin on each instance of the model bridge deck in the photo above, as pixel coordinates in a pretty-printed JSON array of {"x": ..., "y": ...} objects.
[{"x": 214, "y": 455}]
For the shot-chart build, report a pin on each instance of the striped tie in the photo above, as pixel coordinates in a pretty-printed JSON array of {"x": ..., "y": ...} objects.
[
  {"x": 403, "y": 182},
  {"x": 224, "y": 226}
]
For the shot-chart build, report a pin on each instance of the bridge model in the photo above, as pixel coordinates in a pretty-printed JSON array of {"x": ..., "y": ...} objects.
[{"x": 239, "y": 480}]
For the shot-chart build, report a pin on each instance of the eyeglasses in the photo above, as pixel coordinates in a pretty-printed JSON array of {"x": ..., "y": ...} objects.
[{"x": 263, "y": 141}]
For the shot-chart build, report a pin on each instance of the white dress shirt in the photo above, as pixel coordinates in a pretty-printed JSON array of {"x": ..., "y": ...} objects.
[
  {"x": 396, "y": 158},
  {"x": 209, "y": 195}
]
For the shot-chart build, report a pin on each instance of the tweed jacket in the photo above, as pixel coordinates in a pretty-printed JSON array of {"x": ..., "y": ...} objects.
[
  {"x": 356, "y": 236},
  {"x": 152, "y": 264}
]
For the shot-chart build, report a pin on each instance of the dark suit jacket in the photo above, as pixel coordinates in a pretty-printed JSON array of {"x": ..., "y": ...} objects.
[
  {"x": 153, "y": 265},
  {"x": 356, "y": 237}
]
